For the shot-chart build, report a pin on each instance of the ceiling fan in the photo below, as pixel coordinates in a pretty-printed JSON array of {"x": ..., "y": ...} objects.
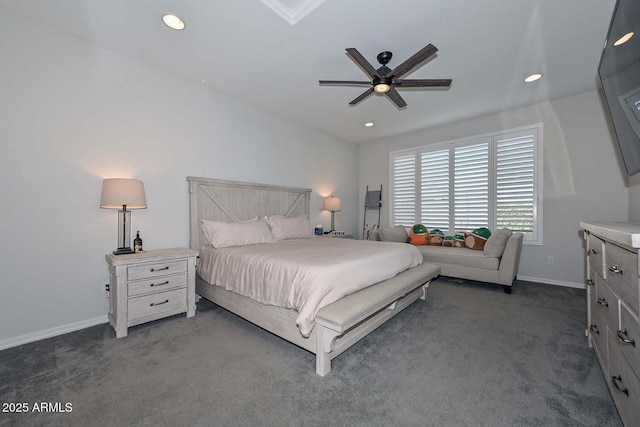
[{"x": 385, "y": 80}]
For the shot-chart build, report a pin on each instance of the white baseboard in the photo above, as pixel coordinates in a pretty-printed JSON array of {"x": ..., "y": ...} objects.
[
  {"x": 552, "y": 282},
  {"x": 48, "y": 333}
]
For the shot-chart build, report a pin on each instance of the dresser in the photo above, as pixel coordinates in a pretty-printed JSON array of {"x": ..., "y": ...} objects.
[
  {"x": 149, "y": 286},
  {"x": 613, "y": 309}
]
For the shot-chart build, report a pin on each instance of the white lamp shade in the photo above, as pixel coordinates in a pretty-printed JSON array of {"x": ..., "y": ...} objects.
[
  {"x": 117, "y": 192},
  {"x": 331, "y": 204}
]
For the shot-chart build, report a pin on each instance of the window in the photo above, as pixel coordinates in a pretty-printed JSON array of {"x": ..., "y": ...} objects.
[{"x": 490, "y": 181}]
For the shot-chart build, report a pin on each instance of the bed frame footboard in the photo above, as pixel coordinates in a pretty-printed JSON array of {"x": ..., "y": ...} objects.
[
  {"x": 331, "y": 341},
  {"x": 344, "y": 322}
]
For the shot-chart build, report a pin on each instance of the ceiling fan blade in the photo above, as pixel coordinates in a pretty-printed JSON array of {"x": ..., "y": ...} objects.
[
  {"x": 362, "y": 62},
  {"x": 364, "y": 95},
  {"x": 396, "y": 98},
  {"x": 344, "y": 83},
  {"x": 422, "y": 83},
  {"x": 417, "y": 58}
]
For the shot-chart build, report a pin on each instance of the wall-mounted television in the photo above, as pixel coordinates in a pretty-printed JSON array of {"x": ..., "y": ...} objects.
[{"x": 619, "y": 73}]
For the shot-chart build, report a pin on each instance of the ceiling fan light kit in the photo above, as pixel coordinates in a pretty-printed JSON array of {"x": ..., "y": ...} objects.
[
  {"x": 385, "y": 80},
  {"x": 381, "y": 87}
]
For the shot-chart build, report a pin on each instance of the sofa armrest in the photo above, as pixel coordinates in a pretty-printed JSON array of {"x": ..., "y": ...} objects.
[{"x": 510, "y": 259}]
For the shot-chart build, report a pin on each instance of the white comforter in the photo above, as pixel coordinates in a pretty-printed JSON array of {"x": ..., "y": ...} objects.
[{"x": 305, "y": 274}]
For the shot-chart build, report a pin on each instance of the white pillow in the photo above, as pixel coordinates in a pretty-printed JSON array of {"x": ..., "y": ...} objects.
[
  {"x": 395, "y": 234},
  {"x": 224, "y": 234},
  {"x": 494, "y": 247},
  {"x": 284, "y": 228}
]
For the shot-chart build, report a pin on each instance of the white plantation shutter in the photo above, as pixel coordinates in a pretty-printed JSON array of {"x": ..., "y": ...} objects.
[
  {"x": 434, "y": 189},
  {"x": 515, "y": 189},
  {"x": 471, "y": 187},
  {"x": 404, "y": 189},
  {"x": 490, "y": 181}
]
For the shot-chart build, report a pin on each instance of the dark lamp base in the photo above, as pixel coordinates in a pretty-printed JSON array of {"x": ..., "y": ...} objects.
[{"x": 123, "y": 251}]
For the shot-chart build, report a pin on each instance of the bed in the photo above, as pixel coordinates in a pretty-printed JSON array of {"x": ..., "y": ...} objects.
[{"x": 336, "y": 326}]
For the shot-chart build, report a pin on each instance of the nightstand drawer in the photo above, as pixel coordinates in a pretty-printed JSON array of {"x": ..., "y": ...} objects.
[
  {"x": 157, "y": 269},
  {"x": 157, "y": 303},
  {"x": 158, "y": 284}
]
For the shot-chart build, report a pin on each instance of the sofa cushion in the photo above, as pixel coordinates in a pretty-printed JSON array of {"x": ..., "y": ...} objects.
[
  {"x": 497, "y": 242},
  {"x": 463, "y": 257},
  {"x": 395, "y": 234}
]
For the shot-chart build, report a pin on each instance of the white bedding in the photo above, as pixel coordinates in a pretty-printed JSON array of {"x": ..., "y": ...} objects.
[{"x": 305, "y": 274}]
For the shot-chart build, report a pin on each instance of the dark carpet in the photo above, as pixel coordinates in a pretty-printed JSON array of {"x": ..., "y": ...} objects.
[{"x": 469, "y": 355}]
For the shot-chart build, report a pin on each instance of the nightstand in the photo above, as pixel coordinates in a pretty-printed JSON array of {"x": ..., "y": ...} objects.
[
  {"x": 150, "y": 285},
  {"x": 340, "y": 235}
]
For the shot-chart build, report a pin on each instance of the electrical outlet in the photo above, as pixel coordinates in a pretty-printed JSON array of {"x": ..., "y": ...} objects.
[
  {"x": 107, "y": 290},
  {"x": 551, "y": 260}
]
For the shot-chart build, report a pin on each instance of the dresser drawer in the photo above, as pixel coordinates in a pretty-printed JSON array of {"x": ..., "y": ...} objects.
[
  {"x": 157, "y": 303},
  {"x": 158, "y": 284},
  {"x": 625, "y": 388},
  {"x": 606, "y": 303},
  {"x": 627, "y": 338},
  {"x": 595, "y": 255},
  {"x": 148, "y": 271},
  {"x": 622, "y": 274},
  {"x": 591, "y": 283},
  {"x": 598, "y": 333}
]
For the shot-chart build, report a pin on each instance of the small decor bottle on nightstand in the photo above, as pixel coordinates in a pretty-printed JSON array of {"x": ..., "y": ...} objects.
[{"x": 137, "y": 243}]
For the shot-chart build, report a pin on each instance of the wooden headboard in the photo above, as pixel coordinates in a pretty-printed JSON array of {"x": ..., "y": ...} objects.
[{"x": 220, "y": 200}]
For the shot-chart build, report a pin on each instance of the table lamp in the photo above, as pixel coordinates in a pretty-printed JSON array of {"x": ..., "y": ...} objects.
[
  {"x": 332, "y": 204},
  {"x": 123, "y": 194}
]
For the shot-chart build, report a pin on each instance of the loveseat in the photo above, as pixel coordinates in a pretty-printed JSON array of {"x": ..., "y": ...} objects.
[{"x": 497, "y": 265}]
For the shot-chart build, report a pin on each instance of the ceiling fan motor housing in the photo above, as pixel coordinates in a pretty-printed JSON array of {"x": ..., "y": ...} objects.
[{"x": 384, "y": 57}]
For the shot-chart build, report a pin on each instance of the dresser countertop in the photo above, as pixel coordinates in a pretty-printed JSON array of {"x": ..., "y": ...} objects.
[{"x": 621, "y": 233}]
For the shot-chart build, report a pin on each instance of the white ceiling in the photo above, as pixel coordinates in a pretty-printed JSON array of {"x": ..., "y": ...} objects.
[{"x": 244, "y": 50}]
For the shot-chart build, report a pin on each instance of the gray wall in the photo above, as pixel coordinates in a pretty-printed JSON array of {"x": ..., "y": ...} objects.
[
  {"x": 634, "y": 198},
  {"x": 71, "y": 114},
  {"x": 583, "y": 177}
]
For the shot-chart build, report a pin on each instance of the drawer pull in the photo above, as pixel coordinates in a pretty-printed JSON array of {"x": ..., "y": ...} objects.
[
  {"x": 592, "y": 252},
  {"x": 616, "y": 269},
  {"x": 594, "y": 329},
  {"x": 615, "y": 380},
  {"x": 622, "y": 336},
  {"x": 159, "y": 269},
  {"x": 153, "y": 304},
  {"x": 603, "y": 302},
  {"x": 590, "y": 282},
  {"x": 166, "y": 282}
]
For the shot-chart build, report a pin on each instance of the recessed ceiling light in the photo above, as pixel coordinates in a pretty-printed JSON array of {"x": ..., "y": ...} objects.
[
  {"x": 368, "y": 124},
  {"x": 172, "y": 21},
  {"x": 533, "y": 78},
  {"x": 623, "y": 39}
]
